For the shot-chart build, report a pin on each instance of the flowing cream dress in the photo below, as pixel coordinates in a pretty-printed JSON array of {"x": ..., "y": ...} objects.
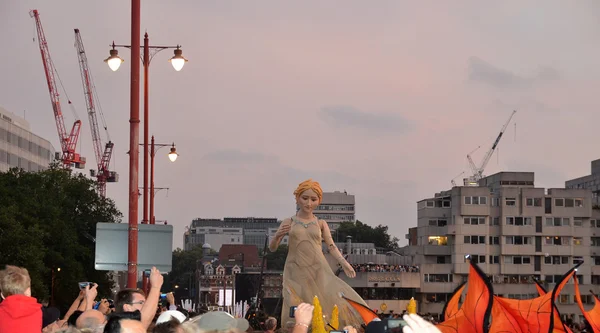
[{"x": 307, "y": 274}]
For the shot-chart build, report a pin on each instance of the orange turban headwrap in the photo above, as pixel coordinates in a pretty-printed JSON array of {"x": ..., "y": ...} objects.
[{"x": 309, "y": 185}]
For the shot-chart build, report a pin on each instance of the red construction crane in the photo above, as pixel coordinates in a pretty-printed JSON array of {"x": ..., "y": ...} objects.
[
  {"x": 102, "y": 174},
  {"x": 68, "y": 142}
]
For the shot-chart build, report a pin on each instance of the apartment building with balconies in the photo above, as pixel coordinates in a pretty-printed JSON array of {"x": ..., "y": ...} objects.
[{"x": 514, "y": 231}]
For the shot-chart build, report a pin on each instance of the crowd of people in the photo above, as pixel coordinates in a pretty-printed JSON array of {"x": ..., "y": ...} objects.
[
  {"x": 134, "y": 311},
  {"x": 385, "y": 268}
]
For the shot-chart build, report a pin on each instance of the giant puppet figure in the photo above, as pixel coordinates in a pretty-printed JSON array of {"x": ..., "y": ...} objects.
[{"x": 307, "y": 272}]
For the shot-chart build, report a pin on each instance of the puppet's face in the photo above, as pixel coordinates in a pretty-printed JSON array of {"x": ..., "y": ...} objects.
[{"x": 308, "y": 201}]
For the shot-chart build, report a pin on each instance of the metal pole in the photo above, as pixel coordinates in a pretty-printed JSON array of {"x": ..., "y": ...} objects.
[
  {"x": 134, "y": 137},
  {"x": 52, "y": 289},
  {"x": 225, "y": 290},
  {"x": 146, "y": 126},
  {"x": 152, "y": 220},
  {"x": 145, "y": 283}
]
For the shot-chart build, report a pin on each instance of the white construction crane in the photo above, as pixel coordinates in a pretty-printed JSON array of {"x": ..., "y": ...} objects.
[
  {"x": 453, "y": 179},
  {"x": 478, "y": 171}
]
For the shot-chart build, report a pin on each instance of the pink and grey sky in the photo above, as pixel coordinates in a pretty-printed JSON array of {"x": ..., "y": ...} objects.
[{"x": 383, "y": 99}]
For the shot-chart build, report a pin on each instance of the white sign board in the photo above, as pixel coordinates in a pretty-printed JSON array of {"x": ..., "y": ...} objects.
[{"x": 155, "y": 247}]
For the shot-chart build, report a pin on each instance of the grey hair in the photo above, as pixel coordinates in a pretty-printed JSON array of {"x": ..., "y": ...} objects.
[{"x": 271, "y": 323}]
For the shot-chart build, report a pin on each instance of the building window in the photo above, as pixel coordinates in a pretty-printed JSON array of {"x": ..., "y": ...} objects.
[
  {"x": 559, "y": 202},
  {"x": 476, "y": 259},
  {"x": 517, "y": 260},
  {"x": 511, "y": 201},
  {"x": 438, "y": 223},
  {"x": 533, "y": 202},
  {"x": 564, "y": 299},
  {"x": 522, "y": 296},
  {"x": 494, "y": 259},
  {"x": 474, "y": 220},
  {"x": 577, "y": 241},
  {"x": 442, "y": 260},
  {"x": 578, "y": 202},
  {"x": 474, "y": 239},
  {"x": 557, "y": 221},
  {"x": 437, "y": 240},
  {"x": 437, "y": 277},
  {"x": 578, "y": 221},
  {"x": 557, "y": 240},
  {"x": 494, "y": 240},
  {"x": 496, "y": 221},
  {"x": 510, "y": 220},
  {"x": 475, "y": 200},
  {"x": 556, "y": 260},
  {"x": 518, "y": 240}
]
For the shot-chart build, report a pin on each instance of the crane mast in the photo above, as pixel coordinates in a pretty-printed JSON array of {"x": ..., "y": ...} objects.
[
  {"x": 478, "y": 171},
  {"x": 103, "y": 156},
  {"x": 68, "y": 142}
]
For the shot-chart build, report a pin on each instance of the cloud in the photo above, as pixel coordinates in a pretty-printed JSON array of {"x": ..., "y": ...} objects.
[
  {"x": 236, "y": 156},
  {"x": 350, "y": 117},
  {"x": 484, "y": 72},
  {"x": 548, "y": 74}
]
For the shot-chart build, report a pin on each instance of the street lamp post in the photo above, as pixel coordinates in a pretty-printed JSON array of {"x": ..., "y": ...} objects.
[
  {"x": 54, "y": 270},
  {"x": 154, "y": 147},
  {"x": 114, "y": 62},
  {"x": 172, "y": 156}
]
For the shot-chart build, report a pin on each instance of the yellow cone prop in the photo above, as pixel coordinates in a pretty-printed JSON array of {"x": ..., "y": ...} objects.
[
  {"x": 335, "y": 319},
  {"x": 412, "y": 306},
  {"x": 318, "y": 325}
]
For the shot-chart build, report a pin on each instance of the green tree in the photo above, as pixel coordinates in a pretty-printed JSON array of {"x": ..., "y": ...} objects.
[
  {"x": 276, "y": 260},
  {"x": 183, "y": 269},
  {"x": 363, "y": 233},
  {"x": 48, "y": 221}
]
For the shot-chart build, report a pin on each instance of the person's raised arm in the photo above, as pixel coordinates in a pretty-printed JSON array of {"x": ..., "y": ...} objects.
[
  {"x": 283, "y": 230},
  {"x": 151, "y": 304},
  {"x": 335, "y": 252},
  {"x": 303, "y": 316},
  {"x": 75, "y": 305},
  {"x": 89, "y": 295}
]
